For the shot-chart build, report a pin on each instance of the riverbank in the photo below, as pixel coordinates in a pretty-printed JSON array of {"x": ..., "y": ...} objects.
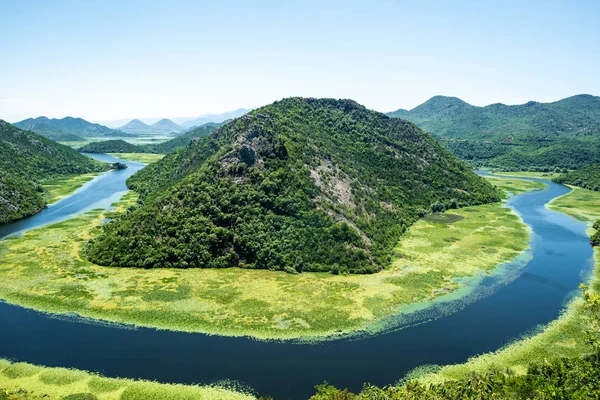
[
  {"x": 563, "y": 337},
  {"x": 31, "y": 382},
  {"x": 58, "y": 189},
  {"x": 144, "y": 158},
  {"x": 44, "y": 270}
]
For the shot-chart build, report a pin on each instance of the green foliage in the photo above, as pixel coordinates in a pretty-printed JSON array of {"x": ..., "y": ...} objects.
[
  {"x": 533, "y": 136},
  {"x": 587, "y": 177},
  {"x": 302, "y": 183},
  {"x": 69, "y": 125},
  {"x": 26, "y": 160},
  {"x": 453, "y": 118},
  {"x": 595, "y": 239},
  {"x": 111, "y": 146}
]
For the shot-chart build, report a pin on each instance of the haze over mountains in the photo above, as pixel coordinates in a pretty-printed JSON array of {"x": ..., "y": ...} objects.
[{"x": 185, "y": 122}]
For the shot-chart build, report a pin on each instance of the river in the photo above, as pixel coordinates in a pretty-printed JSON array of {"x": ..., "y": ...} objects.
[{"x": 561, "y": 258}]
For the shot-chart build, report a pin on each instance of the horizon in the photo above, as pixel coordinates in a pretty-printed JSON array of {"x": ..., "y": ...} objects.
[{"x": 148, "y": 61}]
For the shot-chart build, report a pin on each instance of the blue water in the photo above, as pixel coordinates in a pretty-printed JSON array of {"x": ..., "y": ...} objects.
[
  {"x": 101, "y": 192},
  {"x": 561, "y": 257}
]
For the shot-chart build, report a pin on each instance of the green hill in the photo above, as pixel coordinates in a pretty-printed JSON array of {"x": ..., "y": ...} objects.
[
  {"x": 69, "y": 125},
  {"x": 26, "y": 159},
  {"x": 533, "y": 136},
  {"x": 450, "y": 117},
  {"x": 587, "y": 177},
  {"x": 111, "y": 146},
  {"x": 300, "y": 185}
]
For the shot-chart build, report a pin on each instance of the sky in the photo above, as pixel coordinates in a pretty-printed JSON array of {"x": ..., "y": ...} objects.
[{"x": 106, "y": 60}]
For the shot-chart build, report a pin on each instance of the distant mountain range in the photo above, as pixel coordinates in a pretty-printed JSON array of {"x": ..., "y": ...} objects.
[
  {"x": 451, "y": 117},
  {"x": 183, "y": 122},
  {"x": 163, "y": 126},
  {"x": 67, "y": 129}
]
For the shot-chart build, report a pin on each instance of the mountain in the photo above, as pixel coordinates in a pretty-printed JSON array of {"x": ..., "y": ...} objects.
[
  {"x": 166, "y": 126},
  {"x": 26, "y": 159},
  {"x": 111, "y": 146},
  {"x": 137, "y": 126},
  {"x": 587, "y": 177},
  {"x": 534, "y": 136},
  {"x": 299, "y": 185},
  {"x": 450, "y": 117},
  {"x": 203, "y": 119},
  {"x": 69, "y": 125}
]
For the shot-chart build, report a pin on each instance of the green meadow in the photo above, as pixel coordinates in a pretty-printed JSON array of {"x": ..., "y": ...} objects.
[
  {"x": 43, "y": 269},
  {"x": 529, "y": 174},
  {"x": 20, "y": 381}
]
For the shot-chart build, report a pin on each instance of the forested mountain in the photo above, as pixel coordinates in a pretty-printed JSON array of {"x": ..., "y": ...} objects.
[
  {"x": 300, "y": 185},
  {"x": 27, "y": 159},
  {"x": 451, "y": 117},
  {"x": 166, "y": 126},
  {"x": 54, "y": 128},
  {"x": 587, "y": 177},
  {"x": 533, "y": 136},
  {"x": 111, "y": 146}
]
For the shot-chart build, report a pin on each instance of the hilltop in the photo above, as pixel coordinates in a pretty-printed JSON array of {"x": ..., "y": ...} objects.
[
  {"x": 111, "y": 146},
  {"x": 166, "y": 126},
  {"x": 26, "y": 159},
  {"x": 214, "y": 118},
  {"x": 299, "y": 185},
  {"x": 66, "y": 129}
]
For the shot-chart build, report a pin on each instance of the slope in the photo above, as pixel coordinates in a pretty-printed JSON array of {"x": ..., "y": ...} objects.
[
  {"x": 75, "y": 126},
  {"x": 301, "y": 185},
  {"x": 26, "y": 159}
]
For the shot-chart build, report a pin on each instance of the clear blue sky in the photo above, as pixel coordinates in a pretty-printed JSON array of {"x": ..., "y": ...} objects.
[{"x": 106, "y": 60}]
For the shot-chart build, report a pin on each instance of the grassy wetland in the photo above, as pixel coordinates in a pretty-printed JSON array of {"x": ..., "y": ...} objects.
[
  {"x": 145, "y": 158},
  {"x": 26, "y": 381},
  {"x": 61, "y": 188},
  {"x": 563, "y": 337},
  {"x": 43, "y": 269}
]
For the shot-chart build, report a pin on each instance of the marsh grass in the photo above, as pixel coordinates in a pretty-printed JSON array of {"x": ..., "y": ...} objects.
[
  {"x": 61, "y": 188},
  {"x": 563, "y": 337},
  {"x": 528, "y": 174},
  {"x": 44, "y": 269},
  {"x": 145, "y": 158},
  {"x": 61, "y": 383},
  {"x": 512, "y": 187}
]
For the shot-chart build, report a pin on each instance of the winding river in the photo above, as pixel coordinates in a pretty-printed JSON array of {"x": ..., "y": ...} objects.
[{"x": 561, "y": 258}]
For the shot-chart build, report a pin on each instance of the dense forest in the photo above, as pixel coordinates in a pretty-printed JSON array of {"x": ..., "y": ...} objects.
[
  {"x": 26, "y": 159},
  {"x": 298, "y": 185},
  {"x": 111, "y": 146},
  {"x": 587, "y": 177},
  {"x": 533, "y": 136},
  {"x": 595, "y": 239}
]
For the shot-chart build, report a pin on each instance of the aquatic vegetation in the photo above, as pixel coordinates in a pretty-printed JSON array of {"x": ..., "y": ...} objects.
[
  {"x": 43, "y": 269},
  {"x": 582, "y": 204},
  {"x": 145, "y": 158},
  {"x": 27, "y": 381},
  {"x": 512, "y": 187},
  {"x": 63, "y": 187}
]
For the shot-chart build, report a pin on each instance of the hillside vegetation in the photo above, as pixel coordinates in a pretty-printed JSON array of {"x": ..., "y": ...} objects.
[
  {"x": 58, "y": 129},
  {"x": 299, "y": 185},
  {"x": 27, "y": 159},
  {"x": 533, "y": 136},
  {"x": 587, "y": 177},
  {"x": 111, "y": 146}
]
